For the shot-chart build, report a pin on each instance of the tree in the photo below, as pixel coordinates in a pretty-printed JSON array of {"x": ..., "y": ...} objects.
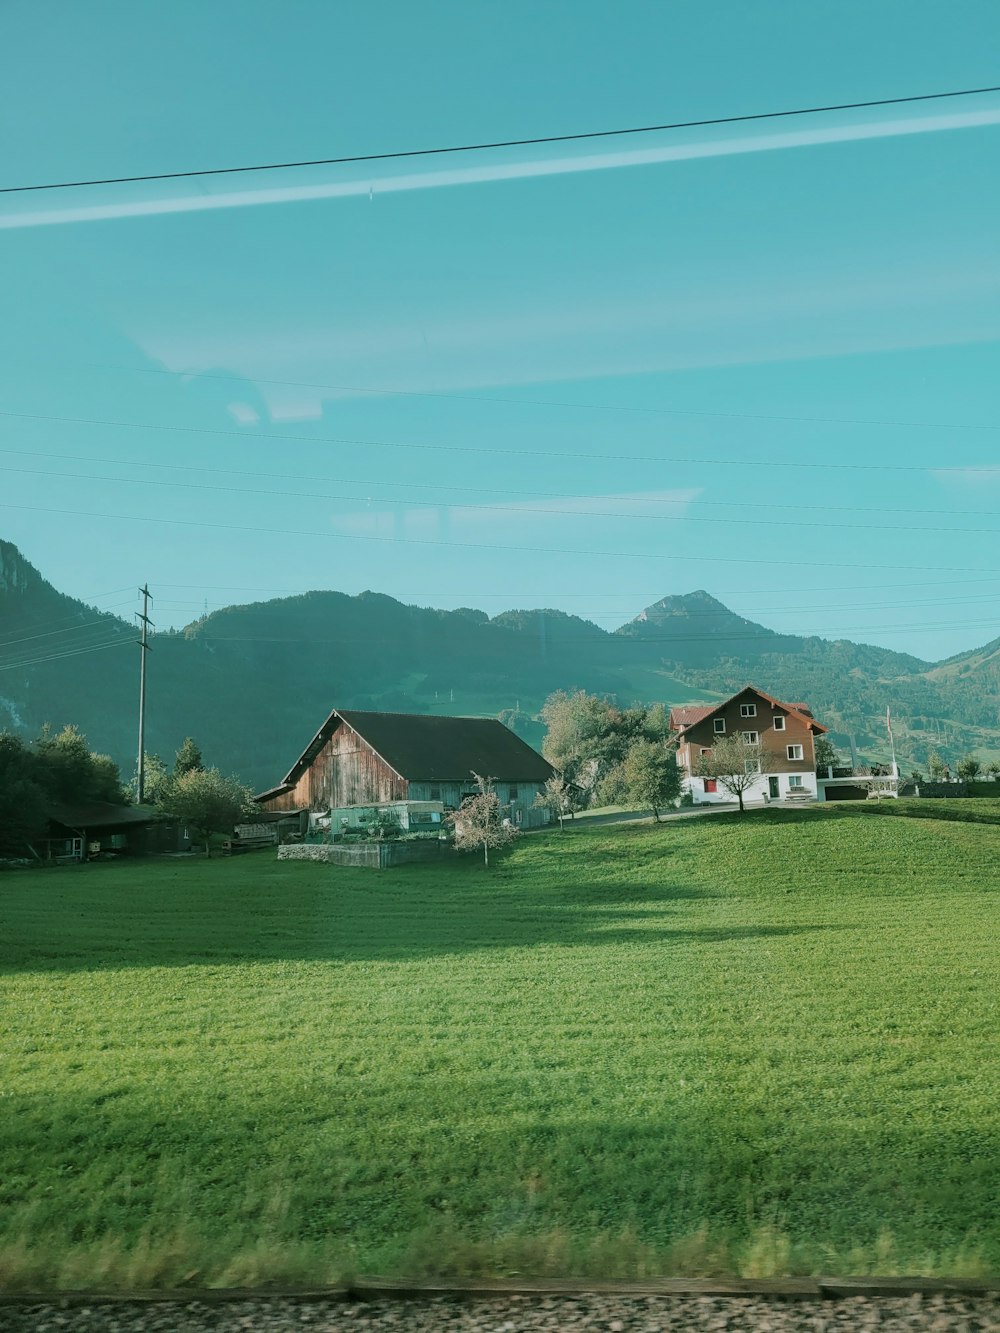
[
  {"x": 22, "y": 800},
  {"x": 156, "y": 779},
  {"x": 69, "y": 771},
  {"x": 588, "y": 737},
  {"x": 826, "y": 754},
  {"x": 736, "y": 765},
  {"x": 560, "y": 798},
  {"x": 647, "y": 776},
  {"x": 188, "y": 758},
  {"x": 969, "y": 768},
  {"x": 482, "y": 821},
  {"x": 208, "y": 802},
  {"x": 937, "y": 769},
  {"x": 516, "y": 720}
]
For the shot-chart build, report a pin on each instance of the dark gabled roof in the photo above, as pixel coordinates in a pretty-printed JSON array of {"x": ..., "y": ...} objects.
[
  {"x": 684, "y": 718},
  {"x": 421, "y": 748},
  {"x": 101, "y": 814}
]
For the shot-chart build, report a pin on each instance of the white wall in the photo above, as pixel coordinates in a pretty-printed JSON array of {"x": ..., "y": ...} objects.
[{"x": 754, "y": 795}]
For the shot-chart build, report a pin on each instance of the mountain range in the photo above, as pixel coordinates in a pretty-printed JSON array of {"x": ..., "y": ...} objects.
[{"x": 253, "y": 683}]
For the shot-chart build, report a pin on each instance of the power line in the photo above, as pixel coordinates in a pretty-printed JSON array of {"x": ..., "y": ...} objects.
[
  {"x": 553, "y": 402},
  {"x": 466, "y": 451},
  {"x": 493, "y": 546},
  {"x": 437, "y": 486},
  {"x": 525, "y": 510},
  {"x": 58, "y": 657},
  {"x": 9, "y": 643},
  {"x": 486, "y": 146}
]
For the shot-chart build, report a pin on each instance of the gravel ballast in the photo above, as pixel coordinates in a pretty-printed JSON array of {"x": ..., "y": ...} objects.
[{"x": 598, "y": 1313}]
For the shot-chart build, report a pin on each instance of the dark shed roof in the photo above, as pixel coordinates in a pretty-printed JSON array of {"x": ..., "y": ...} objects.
[
  {"x": 102, "y": 814},
  {"x": 432, "y": 749}
]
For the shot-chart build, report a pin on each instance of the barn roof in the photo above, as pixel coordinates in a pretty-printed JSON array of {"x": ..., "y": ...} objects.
[{"x": 423, "y": 748}]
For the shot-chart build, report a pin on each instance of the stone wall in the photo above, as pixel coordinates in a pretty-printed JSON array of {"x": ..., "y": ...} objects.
[{"x": 369, "y": 855}]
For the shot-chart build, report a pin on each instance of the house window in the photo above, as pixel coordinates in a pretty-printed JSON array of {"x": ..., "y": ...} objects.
[
  {"x": 719, "y": 724},
  {"x": 751, "y": 738},
  {"x": 779, "y": 724},
  {"x": 435, "y": 793},
  {"x": 748, "y": 710},
  {"x": 751, "y": 765},
  {"x": 795, "y": 781},
  {"x": 794, "y": 751},
  {"x": 703, "y": 751},
  {"x": 711, "y": 785},
  {"x": 513, "y": 792}
]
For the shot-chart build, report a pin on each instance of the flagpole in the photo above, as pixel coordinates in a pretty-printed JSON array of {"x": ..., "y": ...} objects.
[{"x": 892, "y": 744}]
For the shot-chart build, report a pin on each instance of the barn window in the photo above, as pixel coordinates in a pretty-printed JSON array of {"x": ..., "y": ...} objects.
[
  {"x": 794, "y": 751},
  {"x": 779, "y": 724},
  {"x": 719, "y": 724},
  {"x": 748, "y": 710},
  {"x": 435, "y": 792},
  {"x": 513, "y": 792},
  {"x": 751, "y": 738}
]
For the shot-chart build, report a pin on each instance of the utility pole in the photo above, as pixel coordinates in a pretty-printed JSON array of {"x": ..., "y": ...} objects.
[{"x": 140, "y": 785}]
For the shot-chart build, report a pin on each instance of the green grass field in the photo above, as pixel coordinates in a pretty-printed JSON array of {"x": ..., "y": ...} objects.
[{"x": 764, "y": 1045}]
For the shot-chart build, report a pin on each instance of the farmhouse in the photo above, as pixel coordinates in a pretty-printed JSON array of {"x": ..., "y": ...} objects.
[
  {"x": 784, "y": 731},
  {"x": 377, "y": 759}
]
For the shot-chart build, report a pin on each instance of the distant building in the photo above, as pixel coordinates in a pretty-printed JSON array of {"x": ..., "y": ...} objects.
[
  {"x": 379, "y": 759},
  {"x": 785, "y": 731},
  {"x": 89, "y": 830}
]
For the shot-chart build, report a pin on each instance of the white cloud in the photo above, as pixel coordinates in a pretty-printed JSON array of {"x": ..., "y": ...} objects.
[
  {"x": 464, "y": 522},
  {"x": 243, "y": 414},
  {"x": 210, "y": 196}
]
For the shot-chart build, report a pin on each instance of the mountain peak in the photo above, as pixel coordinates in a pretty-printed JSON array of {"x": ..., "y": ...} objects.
[{"x": 683, "y": 604}]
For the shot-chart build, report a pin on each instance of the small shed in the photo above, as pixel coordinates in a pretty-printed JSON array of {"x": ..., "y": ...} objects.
[{"x": 89, "y": 829}]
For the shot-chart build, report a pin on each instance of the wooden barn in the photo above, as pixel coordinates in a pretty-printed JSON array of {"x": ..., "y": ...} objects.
[{"x": 359, "y": 758}]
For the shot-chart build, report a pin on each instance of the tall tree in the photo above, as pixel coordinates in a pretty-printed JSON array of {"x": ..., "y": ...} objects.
[
  {"x": 70, "y": 771},
  {"x": 969, "y": 768},
  {"x": 208, "y": 803},
  {"x": 588, "y": 737},
  {"x": 188, "y": 757},
  {"x": 648, "y": 776},
  {"x": 22, "y": 799}
]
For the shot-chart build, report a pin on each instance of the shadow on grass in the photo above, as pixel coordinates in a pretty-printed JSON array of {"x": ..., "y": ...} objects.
[
  {"x": 296, "y": 913},
  {"x": 431, "y": 1191}
]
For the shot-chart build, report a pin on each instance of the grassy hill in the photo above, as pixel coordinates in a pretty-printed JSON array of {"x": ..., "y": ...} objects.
[{"x": 759, "y": 1045}]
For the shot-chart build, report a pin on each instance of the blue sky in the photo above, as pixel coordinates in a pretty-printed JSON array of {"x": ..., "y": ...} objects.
[{"x": 761, "y": 361}]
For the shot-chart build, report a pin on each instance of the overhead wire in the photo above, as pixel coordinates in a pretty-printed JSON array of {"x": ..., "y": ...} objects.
[
  {"x": 495, "y": 546},
  {"x": 466, "y": 451},
  {"x": 437, "y": 486},
  {"x": 524, "y": 510},
  {"x": 793, "y": 418},
  {"x": 492, "y": 145}
]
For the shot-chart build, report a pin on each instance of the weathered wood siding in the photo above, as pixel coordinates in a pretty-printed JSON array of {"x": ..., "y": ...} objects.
[{"x": 344, "y": 772}]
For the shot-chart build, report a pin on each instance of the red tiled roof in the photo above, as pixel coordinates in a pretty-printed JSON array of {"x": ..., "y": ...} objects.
[{"x": 689, "y": 714}]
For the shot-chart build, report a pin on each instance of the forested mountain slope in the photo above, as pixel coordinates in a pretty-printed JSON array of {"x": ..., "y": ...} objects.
[{"x": 254, "y": 682}]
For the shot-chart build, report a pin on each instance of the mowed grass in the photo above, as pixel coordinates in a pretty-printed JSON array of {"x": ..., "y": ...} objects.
[{"x": 758, "y": 1045}]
